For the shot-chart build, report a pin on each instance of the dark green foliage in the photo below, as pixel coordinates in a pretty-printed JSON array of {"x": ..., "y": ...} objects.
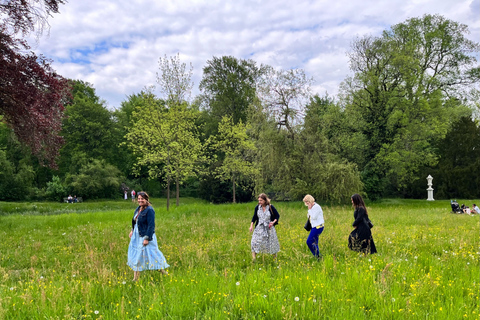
[
  {"x": 96, "y": 180},
  {"x": 56, "y": 191},
  {"x": 457, "y": 174},
  {"x": 89, "y": 130}
]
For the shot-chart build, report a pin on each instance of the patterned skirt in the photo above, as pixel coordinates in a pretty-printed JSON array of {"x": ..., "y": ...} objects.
[{"x": 264, "y": 240}]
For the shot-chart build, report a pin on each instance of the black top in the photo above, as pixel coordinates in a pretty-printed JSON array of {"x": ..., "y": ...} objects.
[
  {"x": 273, "y": 216},
  {"x": 363, "y": 230}
]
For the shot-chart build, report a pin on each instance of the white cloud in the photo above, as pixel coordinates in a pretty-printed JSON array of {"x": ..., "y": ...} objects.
[{"x": 115, "y": 44}]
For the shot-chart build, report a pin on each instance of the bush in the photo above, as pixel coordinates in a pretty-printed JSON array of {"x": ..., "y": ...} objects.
[
  {"x": 96, "y": 179},
  {"x": 56, "y": 191}
]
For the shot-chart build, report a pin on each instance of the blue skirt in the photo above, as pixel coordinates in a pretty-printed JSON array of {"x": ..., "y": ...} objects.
[{"x": 147, "y": 257}]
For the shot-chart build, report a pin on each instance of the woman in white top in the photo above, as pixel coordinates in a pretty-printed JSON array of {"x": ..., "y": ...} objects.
[{"x": 315, "y": 215}]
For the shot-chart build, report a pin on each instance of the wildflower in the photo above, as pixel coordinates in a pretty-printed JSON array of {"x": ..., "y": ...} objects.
[
  {"x": 297, "y": 299},
  {"x": 238, "y": 283},
  {"x": 97, "y": 312},
  {"x": 123, "y": 282},
  {"x": 11, "y": 288},
  {"x": 393, "y": 299},
  {"x": 64, "y": 233}
]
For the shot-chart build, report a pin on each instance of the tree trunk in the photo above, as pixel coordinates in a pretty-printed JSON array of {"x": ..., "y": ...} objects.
[
  {"x": 233, "y": 181},
  {"x": 177, "y": 184},
  {"x": 168, "y": 193}
]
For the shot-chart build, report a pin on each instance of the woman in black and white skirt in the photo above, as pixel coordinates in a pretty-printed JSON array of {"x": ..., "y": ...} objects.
[{"x": 265, "y": 218}]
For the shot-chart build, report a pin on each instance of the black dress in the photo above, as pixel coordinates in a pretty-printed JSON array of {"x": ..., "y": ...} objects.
[{"x": 361, "y": 239}]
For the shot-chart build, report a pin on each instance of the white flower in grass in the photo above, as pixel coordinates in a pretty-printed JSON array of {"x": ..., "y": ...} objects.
[
  {"x": 97, "y": 312},
  {"x": 314, "y": 300},
  {"x": 297, "y": 299},
  {"x": 238, "y": 283},
  {"x": 11, "y": 288},
  {"x": 64, "y": 233},
  {"x": 123, "y": 282},
  {"x": 264, "y": 295},
  {"x": 393, "y": 299},
  {"x": 41, "y": 277}
]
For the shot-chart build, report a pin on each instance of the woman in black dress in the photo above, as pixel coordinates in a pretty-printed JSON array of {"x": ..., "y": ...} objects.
[{"x": 360, "y": 238}]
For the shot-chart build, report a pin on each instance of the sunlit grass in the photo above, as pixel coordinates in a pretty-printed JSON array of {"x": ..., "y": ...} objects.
[{"x": 73, "y": 266}]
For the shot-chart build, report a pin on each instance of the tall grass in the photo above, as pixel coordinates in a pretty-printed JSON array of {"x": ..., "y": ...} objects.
[{"x": 73, "y": 265}]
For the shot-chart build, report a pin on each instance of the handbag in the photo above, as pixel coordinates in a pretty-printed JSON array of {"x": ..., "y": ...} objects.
[
  {"x": 308, "y": 225},
  {"x": 369, "y": 223}
]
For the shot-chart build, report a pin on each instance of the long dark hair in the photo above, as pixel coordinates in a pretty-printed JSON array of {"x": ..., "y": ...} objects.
[{"x": 358, "y": 202}]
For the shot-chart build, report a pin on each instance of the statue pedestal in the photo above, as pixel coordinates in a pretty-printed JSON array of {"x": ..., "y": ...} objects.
[{"x": 430, "y": 194}]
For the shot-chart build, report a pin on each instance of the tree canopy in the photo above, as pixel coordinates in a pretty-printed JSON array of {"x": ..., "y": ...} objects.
[{"x": 31, "y": 92}]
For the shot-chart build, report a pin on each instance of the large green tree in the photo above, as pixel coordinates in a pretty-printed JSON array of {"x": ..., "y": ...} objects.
[
  {"x": 165, "y": 140},
  {"x": 408, "y": 87},
  {"x": 89, "y": 130},
  {"x": 228, "y": 86}
]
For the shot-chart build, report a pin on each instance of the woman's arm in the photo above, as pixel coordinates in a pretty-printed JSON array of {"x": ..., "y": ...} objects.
[
  {"x": 254, "y": 218},
  {"x": 275, "y": 216},
  {"x": 150, "y": 223}
]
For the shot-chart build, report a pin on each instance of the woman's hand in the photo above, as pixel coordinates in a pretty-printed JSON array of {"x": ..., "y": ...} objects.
[
  {"x": 131, "y": 234},
  {"x": 251, "y": 228},
  {"x": 145, "y": 242}
]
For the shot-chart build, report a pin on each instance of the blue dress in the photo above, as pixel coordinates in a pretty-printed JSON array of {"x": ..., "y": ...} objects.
[{"x": 147, "y": 257}]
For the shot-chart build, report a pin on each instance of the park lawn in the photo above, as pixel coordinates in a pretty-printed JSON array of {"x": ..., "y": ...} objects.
[{"x": 68, "y": 261}]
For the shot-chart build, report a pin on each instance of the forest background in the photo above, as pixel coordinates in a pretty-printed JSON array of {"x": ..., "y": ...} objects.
[{"x": 410, "y": 109}]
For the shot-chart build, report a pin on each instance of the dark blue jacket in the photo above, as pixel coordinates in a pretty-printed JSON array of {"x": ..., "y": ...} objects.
[
  {"x": 145, "y": 222},
  {"x": 273, "y": 215}
]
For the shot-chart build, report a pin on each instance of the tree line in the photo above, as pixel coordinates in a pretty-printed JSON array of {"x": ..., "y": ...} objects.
[{"x": 407, "y": 111}]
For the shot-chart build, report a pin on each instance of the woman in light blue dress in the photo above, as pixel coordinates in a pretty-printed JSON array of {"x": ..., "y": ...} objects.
[{"x": 143, "y": 252}]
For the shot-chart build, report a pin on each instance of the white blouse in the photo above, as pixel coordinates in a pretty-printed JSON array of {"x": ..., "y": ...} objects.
[{"x": 316, "y": 215}]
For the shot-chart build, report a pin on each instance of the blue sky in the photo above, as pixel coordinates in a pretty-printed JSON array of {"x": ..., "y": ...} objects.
[{"x": 116, "y": 44}]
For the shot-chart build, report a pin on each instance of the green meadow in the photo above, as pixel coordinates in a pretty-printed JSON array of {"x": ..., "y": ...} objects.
[{"x": 68, "y": 261}]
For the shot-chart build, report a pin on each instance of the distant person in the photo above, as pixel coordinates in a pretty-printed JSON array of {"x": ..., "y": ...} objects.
[
  {"x": 464, "y": 208},
  {"x": 75, "y": 200},
  {"x": 475, "y": 209},
  {"x": 264, "y": 237},
  {"x": 133, "y": 195},
  {"x": 125, "y": 196},
  {"x": 315, "y": 216},
  {"x": 69, "y": 198},
  {"x": 143, "y": 252},
  {"x": 360, "y": 238}
]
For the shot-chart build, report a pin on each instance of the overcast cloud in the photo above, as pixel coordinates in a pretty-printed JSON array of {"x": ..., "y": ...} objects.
[{"x": 115, "y": 44}]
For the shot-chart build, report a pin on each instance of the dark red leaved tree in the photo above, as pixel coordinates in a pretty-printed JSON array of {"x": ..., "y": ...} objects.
[{"x": 31, "y": 92}]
